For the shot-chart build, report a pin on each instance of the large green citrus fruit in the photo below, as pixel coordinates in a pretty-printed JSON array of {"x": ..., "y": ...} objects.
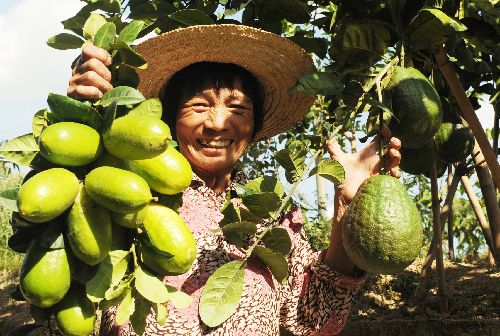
[
  {"x": 45, "y": 274},
  {"x": 168, "y": 173},
  {"x": 117, "y": 189},
  {"x": 167, "y": 232},
  {"x": 416, "y": 106},
  {"x": 454, "y": 142},
  {"x": 89, "y": 229},
  {"x": 75, "y": 313},
  {"x": 70, "y": 144},
  {"x": 382, "y": 228},
  {"x": 417, "y": 161},
  {"x": 137, "y": 137},
  {"x": 47, "y": 195}
]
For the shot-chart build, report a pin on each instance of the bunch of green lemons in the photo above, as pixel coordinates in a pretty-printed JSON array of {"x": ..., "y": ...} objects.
[{"x": 124, "y": 167}]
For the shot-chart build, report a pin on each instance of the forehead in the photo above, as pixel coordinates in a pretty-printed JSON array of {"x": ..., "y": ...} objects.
[{"x": 209, "y": 88}]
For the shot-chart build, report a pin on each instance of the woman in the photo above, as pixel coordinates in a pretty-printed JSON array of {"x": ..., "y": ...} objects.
[{"x": 216, "y": 110}]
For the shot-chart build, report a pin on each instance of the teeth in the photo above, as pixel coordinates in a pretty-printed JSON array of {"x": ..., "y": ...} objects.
[{"x": 215, "y": 143}]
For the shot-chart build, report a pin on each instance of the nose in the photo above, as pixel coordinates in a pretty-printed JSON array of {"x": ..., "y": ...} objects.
[{"x": 217, "y": 118}]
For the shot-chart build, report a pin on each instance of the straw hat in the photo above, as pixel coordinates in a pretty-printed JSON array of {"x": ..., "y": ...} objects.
[{"x": 275, "y": 61}]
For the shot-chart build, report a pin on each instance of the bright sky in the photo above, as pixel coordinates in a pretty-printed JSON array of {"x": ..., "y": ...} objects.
[{"x": 30, "y": 70}]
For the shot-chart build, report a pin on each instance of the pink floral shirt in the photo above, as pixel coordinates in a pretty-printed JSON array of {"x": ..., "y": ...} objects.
[{"x": 315, "y": 300}]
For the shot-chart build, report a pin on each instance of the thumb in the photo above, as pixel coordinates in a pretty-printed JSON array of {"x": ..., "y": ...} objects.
[{"x": 334, "y": 148}]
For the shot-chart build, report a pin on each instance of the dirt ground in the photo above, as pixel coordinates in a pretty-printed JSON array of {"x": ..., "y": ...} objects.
[{"x": 385, "y": 305}]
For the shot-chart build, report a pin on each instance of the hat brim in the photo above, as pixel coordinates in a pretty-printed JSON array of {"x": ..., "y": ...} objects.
[{"x": 275, "y": 61}]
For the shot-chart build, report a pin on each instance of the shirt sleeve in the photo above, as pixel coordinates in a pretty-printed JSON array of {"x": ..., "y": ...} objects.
[{"x": 315, "y": 300}]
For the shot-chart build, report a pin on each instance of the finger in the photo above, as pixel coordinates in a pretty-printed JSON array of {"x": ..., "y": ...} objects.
[
  {"x": 91, "y": 51},
  {"x": 91, "y": 78},
  {"x": 334, "y": 148},
  {"x": 94, "y": 65},
  {"x": 395, "y": 172},
  {"x": 84, "y": 92}
]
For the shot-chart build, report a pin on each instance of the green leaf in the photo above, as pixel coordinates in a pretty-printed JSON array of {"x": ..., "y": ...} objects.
[
  {"x": 246, "y": 228},
  {"x": 278, "y": 240},
  {"x": 380, "y": 105},
  {"x": 243, "y": 190},
  {"x": 130, "y": 32},
  {"x": 65, "y": 41},
  {"x": 152, "y": 10},
  {"x": 318, "y": 83},
  {"x": 126, "y": 308},
  {"x": 292, "y": 159},
  {"x": 68, "y": 109},
  {"x": 8, "y": 198},
  {"x": 109, "y": 117},
  {"x": 266, "y": 183},
  {"x": 141, "y": 312},
  {"x": 21, "y": 150},
  {"x": 150, "y": 286},
  {"x": 234, "y": 7},
  {"x": 276, "y": 262},
  {"x": 105, "y": 35},
  {"x": 109, "y": 6},
  {"x": 152, "y": 107},
  {"x": 116, "y": 294},
  {"x": 125, "y": 95},
  {"x": 247, "y": 216},
  {"x": 432, "y": 26},
  {"x": 192, "y": 17},
  {"x": 111, "y": 271},
  {"x": 222, "y": 293},
  {"x": 41, "y": 120},
  {"x": 352, "y": 93},
  {"x": 316, "y": 45},
  {"x": 126, "y": 76},
  {"x": 231, "y": 215},
  {"x": 179, "y": 299},
  {"x": 330, "y": 169},
  {"x": 263, "y": 205},
  {"x": 52, "y": 237},
  {"x": 129, "y": 56},
  {"x": 92, "y": 25},
  {"x": 161, "y": 313}
]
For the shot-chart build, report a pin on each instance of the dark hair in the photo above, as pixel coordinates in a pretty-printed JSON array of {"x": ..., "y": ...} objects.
[{"x": 194, "y": 77}]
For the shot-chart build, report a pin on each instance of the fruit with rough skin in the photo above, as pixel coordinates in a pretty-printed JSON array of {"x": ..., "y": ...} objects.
[
  {"x": 137, "y": 137},
  {"x": 454, "y": 142},
  {"x": 417, "y": 161},
  {"x": 167, "y": 232},
  {"x": 168, "y": 173},
  {"x": 89, "y": 229},
  {"x": 75, "y": 313},
  {"x": 45, "y": 274},
  {"x": 117, "y": 189},
  {"x": 70, "y": 144},
  {"x": 47, "y": 195},
  {"x": 382, "y": 228},
  {"x": 416, "y": 105}
]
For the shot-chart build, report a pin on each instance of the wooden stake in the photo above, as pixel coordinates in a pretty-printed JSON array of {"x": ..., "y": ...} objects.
[
  {"x": 451, "y": 252},
  {"x": 437, "y": 236},
  {"x": 469, "y": 113}
]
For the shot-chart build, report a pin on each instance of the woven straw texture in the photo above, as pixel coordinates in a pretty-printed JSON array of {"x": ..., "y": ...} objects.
[{"x": 275, "y": 61}]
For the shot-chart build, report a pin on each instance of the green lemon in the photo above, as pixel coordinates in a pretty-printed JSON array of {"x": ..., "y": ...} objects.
[
  {"x": 454, "y": 142},
  {"x": 382, "y": 229},
  {"x": 75, "y": 313},
  {"x": 45, "y": 274},
  {"x": 137, "y": 137},
  {"x": 106, "y": 159},
  {"x": 131, "y": 220},
  {"x": 167, "y": 232},
  {"x": 117, "y": 189},
  {"x": 70, "y": 144},
  {"x": 89, "y": 229},
  {"x": 417, "y": 161},
  {"x": 47, "y": 195},
  {"x": 416, "y": 105},
  {"x": 168, "y": 173}
]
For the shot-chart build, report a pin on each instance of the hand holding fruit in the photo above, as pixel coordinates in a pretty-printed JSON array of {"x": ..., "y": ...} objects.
[
  {"x": 91, "y": 78},
  {"x": 366, "y": 163}
]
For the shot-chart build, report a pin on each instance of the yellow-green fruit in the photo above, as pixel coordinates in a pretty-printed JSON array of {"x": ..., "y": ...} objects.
[
  {"x": 168, "y": 232},
  {"x": 132, "y": 220},
  {"x": 416, "y": 105},
  {"x": 47, "y": 195},
  {"x": 45, "y": 274},
  {"x": 70, "y": 144},
  {"x": 168, "y": 173},
  {"x": 382, "y": 228},
  {"x": 454, "y": 142},
  {"x": 75, "y": 313},
  {"x": 137, "y": 137},
  {"x": 417, "y": 161},
  {"x": 89, "y": 229},
  {"x": 106, "y": 159},
  {"x": 117, "y": 189}
]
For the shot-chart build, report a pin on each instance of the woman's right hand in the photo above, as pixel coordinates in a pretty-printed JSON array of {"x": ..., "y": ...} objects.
[{"x": 91, "y": 78}]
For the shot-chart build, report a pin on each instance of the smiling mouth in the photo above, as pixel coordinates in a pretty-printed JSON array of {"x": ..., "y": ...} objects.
[{"x": 214, "y": 143}]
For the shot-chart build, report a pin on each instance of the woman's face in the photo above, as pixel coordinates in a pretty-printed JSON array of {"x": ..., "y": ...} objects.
[{"x": 214, "y": 128}]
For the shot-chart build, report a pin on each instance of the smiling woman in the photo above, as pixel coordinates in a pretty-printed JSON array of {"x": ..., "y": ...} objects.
[{"x": 223, "y": 87}]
